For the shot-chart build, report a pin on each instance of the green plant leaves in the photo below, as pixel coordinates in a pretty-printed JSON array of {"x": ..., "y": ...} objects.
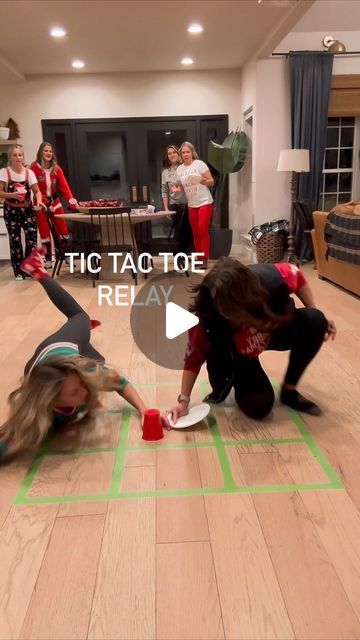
[{"x": 228, "y": 157}]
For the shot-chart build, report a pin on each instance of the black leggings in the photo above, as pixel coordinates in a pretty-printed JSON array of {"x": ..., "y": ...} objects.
[
  {"x": 76, "y": 329},
  {"x": 303, "y": 337}
]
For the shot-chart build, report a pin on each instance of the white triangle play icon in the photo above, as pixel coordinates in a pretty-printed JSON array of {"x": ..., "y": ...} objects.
[{"x": 178, "y": 320}]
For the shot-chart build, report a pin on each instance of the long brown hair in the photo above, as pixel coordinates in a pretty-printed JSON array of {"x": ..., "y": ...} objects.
[
  {"x": 31, "y": 404},
  {"x": 40, "y": 159},
  {"x": 166, "y": 161},
  {"x": 235, "y": 292}
]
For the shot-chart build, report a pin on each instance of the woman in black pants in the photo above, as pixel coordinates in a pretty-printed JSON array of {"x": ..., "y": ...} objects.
[
  {"x": 64, "y": 376},
  {"x": 176, "y": 200},
  {"x": 244, "y": 311}
]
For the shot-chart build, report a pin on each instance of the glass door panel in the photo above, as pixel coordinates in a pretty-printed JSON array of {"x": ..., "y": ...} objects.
[
  {"x": 107, "y": 168},
  {"x": 60, "y": 136},
  {"x": 153, "y": 138}
]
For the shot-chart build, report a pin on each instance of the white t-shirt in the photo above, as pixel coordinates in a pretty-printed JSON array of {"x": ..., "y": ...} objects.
[
  {"x": 17, "y": 177},
  {"x": 197, "y": 194}
]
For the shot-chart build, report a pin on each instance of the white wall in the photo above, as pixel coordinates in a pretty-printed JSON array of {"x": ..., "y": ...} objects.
[
  {"x": 265, "y": 87},
  {"x": 123, "y": 95},
  {"x": 273, "y": 133}
]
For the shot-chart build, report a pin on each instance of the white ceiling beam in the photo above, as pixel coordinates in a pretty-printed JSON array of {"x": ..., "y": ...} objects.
[
  {"x": 9, "y": 67},
  {"x": 296, "y": 12}
]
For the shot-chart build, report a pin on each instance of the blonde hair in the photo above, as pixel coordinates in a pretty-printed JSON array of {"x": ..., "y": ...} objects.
[
  {"x": 31, "y": 404},
  {"x": 192, "y": 149},
  {"x": 10, "y": 152}
]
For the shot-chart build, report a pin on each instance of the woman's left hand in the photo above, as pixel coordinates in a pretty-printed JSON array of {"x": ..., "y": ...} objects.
[{"x": 330, "y": 331}]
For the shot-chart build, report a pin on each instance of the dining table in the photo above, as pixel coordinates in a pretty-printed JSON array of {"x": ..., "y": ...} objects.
[{"x": 86, "y": 215}]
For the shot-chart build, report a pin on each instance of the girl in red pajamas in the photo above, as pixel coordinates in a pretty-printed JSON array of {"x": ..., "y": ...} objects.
[
  {"x": 244, "y": 311},
  {"x": 52, "y": 184}
]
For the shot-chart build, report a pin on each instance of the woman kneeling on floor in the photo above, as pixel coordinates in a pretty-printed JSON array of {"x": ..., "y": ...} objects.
[{"x": 244, "y": 311}]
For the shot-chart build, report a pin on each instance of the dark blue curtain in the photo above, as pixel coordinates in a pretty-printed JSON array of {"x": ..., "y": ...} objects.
[{"x": 310, "y": 83}]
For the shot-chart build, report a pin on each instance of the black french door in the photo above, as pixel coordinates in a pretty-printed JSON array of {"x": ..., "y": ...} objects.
[
  {"x": 152, "y": 139},
  {"x": 123, "y": 158}
]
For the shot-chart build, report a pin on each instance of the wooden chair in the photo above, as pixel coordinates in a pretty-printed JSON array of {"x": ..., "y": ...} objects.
[
  {"x": 83, "y": 238},
  {"x": 115, "y": 232}
]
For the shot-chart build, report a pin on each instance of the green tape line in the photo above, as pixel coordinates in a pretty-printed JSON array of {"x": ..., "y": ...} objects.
[
  {"x": 217, "y": 443},
  {"x": 229, "y": 482},
  {"x": 97, "y": 497},
  {"x": 316, "y": 451}
]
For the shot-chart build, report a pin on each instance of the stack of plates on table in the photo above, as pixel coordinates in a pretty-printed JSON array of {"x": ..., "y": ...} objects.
[{"x": 195, "y": 415}]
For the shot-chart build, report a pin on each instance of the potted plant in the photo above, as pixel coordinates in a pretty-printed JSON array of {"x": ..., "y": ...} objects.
[{"x": 228, "y": 157}]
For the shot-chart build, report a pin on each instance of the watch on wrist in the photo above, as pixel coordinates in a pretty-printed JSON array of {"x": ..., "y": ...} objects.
[{"x": 182, "y": 398}]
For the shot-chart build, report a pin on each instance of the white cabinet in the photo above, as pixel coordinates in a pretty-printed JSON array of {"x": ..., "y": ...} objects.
[{"x": 4, "y": 240}]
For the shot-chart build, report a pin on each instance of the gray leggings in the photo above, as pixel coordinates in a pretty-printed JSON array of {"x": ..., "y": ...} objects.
[{"x": 76, "y": 329}]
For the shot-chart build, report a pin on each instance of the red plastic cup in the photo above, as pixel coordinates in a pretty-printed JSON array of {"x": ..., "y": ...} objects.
[{"x": 152, "y": 427}]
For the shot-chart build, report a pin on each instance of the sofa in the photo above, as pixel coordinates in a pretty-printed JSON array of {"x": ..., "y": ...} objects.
[{"x": 341, "y": 273}]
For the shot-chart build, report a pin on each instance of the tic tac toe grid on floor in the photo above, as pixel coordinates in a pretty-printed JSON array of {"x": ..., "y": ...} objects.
[{"x": 214, "y": 457}]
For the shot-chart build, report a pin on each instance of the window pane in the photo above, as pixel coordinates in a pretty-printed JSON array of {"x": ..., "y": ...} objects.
[
  {"x": 333, "y": 121},
  {"x": 347, "y": 121},
  {"x": 331, "y": 182},
  {"x": 345, "y": 181},
  {"x": 329, "y": 202},
  {"x": 344, "y": 197},
  {"x": 345, "y": 158},
  {"x": 332, "y": 137},
  {"x": 108, "y": 165},
  {"x": 347, "y": 137},
  {"x": 331, "y": 159}
]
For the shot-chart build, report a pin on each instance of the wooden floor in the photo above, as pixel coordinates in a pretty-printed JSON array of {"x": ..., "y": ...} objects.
[{"x": 240, "y": 529}]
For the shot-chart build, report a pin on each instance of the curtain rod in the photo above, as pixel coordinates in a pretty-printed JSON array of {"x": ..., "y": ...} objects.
[{"x": 338, "y": 53}]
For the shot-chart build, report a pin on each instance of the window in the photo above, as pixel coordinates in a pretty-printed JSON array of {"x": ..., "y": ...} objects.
[{"x": 339, "y": 180}]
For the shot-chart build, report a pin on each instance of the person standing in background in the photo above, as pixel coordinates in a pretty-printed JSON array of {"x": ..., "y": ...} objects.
[
  {"x": 195, "y": 179},
  {"x": 175, "y": 200},
  {"x": 16, "y": 184},
  {"x": 52, "y": 184}
]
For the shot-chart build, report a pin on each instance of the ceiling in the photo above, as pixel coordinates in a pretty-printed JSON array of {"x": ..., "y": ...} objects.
[
  {"x": 336, "y": 15},
  {"x": 137, "y": 35}
]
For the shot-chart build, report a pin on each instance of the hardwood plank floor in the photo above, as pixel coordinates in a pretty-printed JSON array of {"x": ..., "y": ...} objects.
[{"x": 265, "y": 565}]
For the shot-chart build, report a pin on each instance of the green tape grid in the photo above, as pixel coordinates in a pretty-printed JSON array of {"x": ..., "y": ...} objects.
[{"x": 217, "y": 443}]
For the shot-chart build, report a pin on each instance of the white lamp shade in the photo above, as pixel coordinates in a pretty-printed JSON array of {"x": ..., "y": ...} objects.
[{"x": 294, "y": 160}]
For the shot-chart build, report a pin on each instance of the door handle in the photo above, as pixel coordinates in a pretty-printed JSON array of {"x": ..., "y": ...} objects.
[
  {"x": 145, "y": 193},
  {"x": 133, "y": 194}
]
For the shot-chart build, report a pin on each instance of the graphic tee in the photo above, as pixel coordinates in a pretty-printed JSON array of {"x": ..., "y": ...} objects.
[{"x": 197, "y": 194}]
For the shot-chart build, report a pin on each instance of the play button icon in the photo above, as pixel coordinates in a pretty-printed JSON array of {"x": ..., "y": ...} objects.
[
  {"x": 178, "y": 320},
  {"x": 160, "y": 320}
]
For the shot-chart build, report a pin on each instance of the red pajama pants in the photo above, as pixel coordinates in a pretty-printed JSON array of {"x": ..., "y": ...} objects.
[{"x": 200, "y": 220}]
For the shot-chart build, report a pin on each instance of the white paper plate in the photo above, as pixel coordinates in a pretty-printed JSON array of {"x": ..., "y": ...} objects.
[
  {"x": 194, "y": 179},
  {"x": 195, "y": 415}
]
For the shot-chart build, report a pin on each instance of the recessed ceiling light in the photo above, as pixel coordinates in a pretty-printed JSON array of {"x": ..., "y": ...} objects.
[
  {"x": 187, "y": 61},
  {"x": 195, "y": 28},
  {"x": 78, "y": 64},
  {"x": 57, "y": 32},
  {"x": 167, "y": 133}
]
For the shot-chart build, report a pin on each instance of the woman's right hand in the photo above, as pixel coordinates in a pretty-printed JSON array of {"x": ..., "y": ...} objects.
[
  {"x": 174, "y": 188},
  {"x": 16, "y": 195},
  {"x": 181, "y": 409}
]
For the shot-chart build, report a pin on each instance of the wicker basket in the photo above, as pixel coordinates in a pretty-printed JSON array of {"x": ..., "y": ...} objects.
[{"x": 270, "y": 247}]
